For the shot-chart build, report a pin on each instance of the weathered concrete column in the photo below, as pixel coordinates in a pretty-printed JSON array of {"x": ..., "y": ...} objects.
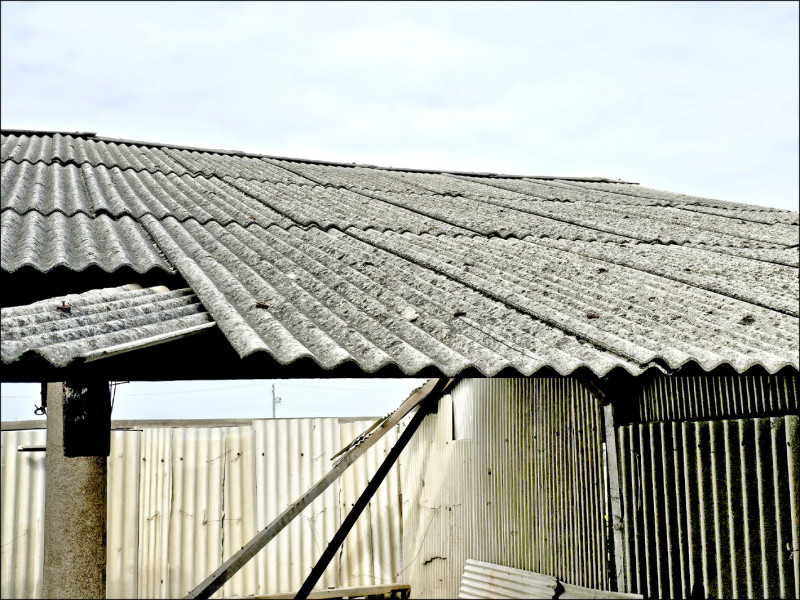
[{"x": 74, "y": 511}]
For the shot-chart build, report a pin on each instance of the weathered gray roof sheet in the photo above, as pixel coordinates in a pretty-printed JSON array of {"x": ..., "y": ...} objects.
[
  {"x": 417, "y": 269},
  {"x": 99, "y": 322},
  {"x": 335, "y": 298},
  {"x": 45, "y": 242}
]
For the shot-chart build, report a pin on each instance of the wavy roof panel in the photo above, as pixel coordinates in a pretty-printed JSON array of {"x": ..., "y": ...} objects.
[
  {"x": 384, "y": 266},
  {"x": 45, "y": 242},
  {"x": 99, "y": 322},
  {"x": 334, "y": 297}
]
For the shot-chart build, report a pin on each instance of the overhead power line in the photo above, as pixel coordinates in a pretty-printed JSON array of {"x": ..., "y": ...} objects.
[{"x": 241, "y": 387}]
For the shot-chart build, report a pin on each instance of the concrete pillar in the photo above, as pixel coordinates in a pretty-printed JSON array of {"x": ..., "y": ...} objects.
[{"x": 74, "y": 513}]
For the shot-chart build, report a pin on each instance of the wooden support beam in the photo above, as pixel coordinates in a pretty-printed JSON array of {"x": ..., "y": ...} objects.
[
  {"x": 363, "y": 500},
  {"x": 397, "y": 591},
  {"x": 616, "y": 539},
  {"x": 606, "y": 393},
  {"x": 359, "y": 446}
]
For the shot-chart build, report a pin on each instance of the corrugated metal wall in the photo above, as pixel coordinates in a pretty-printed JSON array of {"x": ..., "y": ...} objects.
[
  {"x": 183, "y": 499},
  {"x": 712, "y": 507},
  {"x": 22, "y": 541},
  {"x": 371, "y": 554},
  {"x": 155, "y": 492},
  {"x": 283, "y": 446},
  {"x": 710, "y": 498},
  {"x": 706, "y": 398},
  {"x": 123, "y": 523},
  {"x": 508, "y": 472}
]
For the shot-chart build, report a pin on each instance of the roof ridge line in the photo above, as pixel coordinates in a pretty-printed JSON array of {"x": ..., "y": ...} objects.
[
  {"x": 80, "y": 134},
  {"x": 93, "y": 136}
]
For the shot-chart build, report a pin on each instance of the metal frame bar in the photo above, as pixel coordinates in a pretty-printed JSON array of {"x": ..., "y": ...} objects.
[
  {"x": 230, "y": 567},
  {"x": 363, "y": 500}
]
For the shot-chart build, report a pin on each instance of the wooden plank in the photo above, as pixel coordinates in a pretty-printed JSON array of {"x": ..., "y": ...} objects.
[
  {"x": 618, "y": 582},
  {"x": 218, "y": 578},
  {"x": 395, "y": 590},
  {"x": 605, "y": 392}
]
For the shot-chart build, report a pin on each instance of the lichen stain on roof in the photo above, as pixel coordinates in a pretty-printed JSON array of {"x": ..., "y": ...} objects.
[{"x": 305, "y": 259}]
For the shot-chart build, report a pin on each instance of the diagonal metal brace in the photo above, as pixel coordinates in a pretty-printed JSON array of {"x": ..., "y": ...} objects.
[
  {"x": 231, "y": 566},
  {"x": 363, "y": 500}
]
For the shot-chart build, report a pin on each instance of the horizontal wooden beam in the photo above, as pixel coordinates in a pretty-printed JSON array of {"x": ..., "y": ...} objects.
[{"x": 394, "y": 589}]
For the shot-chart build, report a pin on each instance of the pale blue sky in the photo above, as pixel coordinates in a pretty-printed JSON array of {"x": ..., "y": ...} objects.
[
  {"x": 698, "y": 97},
  {"x": 233, "y": 399}
]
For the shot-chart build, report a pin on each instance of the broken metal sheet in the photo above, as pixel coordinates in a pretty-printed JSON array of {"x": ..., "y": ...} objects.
[{"x": 486, "y": 580}]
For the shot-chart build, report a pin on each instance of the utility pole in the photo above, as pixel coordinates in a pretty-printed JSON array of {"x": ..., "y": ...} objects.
[
  {"x": 78, "y": 437},
  {"x": 275, "y": 400}
]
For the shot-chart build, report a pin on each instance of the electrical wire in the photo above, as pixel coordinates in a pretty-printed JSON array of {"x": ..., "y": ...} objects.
[{"x": 288, "y": 383}]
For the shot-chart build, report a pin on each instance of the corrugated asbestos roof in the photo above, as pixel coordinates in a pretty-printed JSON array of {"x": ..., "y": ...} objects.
[
  {"x": 416, "y": 269},
  {"x": 99, "y": 323}
]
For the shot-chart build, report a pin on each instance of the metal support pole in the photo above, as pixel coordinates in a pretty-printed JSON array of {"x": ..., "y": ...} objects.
[
  {"x": 75, "y": 502},
  {"x": 363, "y": 500}
]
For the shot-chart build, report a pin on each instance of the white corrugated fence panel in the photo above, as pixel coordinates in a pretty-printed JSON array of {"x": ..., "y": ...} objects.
[
  {"x": 22, "y": 550},
  {"x": 123, "y": 515},
  {"x": 239, "y": 523},
  {"x": 195, "y": 521},
  {"x": 155, "y": 489},
  {"x": 293, "y": 454},
  {"x": 428, "y": 555},
  {"x": 370, "y": 554},
  {"x": 181, "y": 500}
]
